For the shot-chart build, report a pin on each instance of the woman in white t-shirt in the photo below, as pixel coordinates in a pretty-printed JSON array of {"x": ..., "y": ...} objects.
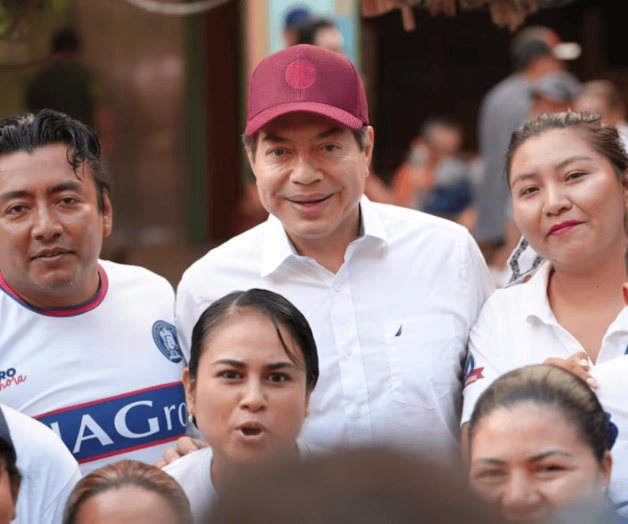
[
  {"x": 253, "y": 366},
  {"x": 568, "y": 179}
]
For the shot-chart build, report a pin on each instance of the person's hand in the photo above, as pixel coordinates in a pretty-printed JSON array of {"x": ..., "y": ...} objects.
[
  {"x": 182, "y": 447},
  {"x": 578, "y": 364}
]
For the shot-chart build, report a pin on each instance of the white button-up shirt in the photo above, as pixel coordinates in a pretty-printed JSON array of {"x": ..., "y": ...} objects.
[{"x": 391, "y": 325}]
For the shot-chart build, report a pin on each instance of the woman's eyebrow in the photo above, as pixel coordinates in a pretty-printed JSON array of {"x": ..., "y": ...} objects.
[
  {"x": 550, "y": 453},
  {"x": 229, "y": 362},
  {"x": 280, "y": 365},
  {"x": 572, "y": 159},
  {"x": 523, "y": 178}
]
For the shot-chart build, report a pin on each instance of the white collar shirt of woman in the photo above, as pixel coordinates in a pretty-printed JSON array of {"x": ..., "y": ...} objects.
[{"x": 517, "y": 327}]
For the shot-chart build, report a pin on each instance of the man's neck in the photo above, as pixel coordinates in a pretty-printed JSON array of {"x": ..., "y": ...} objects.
[
  {"x": 329, "y": 251},
  {"x": 59, "y": 299}
]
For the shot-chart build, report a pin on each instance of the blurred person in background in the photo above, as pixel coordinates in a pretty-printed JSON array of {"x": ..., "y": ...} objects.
[
  {"x": 554, "y": 93},
  {"x": 602, "y": 97},
  {"x": 47, "y": 470},
  {"x": 539, "y": 445},
  {"x": 321, "y": 32},
  {"x": 365, "y": 486},
  {"x": 291, "y": 22},
  {"x": 127, "y": 492},
  {"x": 68, "y": 86},
  {"x": 253, "y": 366},
  {"x": 536, "y": 51},
  {"x": 435, "y": 178}
]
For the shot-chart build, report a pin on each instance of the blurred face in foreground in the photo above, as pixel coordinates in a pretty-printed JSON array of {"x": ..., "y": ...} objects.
[
  {"x": 530, "y": 461},
  {"x": 249, "y": 396},
  {"x": 126, "y": 505}
]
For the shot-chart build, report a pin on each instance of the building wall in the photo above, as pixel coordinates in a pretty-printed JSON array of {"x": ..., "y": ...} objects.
[{"x": 140, "y": 61}]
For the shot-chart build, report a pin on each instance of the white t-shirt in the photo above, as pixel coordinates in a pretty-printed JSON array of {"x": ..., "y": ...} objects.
[
  {"x": 49, "y": 472},
  {"x": 391, "y": 325},
  {"x": 517, "y": 327},
  {"x": 105, "y": 375},
  {"x": 612, "y": 391},
  {"x": 193, "y": 473}
]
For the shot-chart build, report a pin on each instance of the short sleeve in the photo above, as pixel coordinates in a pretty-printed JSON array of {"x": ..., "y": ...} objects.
[
  {"x": 476, "y": 280},
  {"x": 186, "y": 315},
  {"x": 484, "y": 360}
]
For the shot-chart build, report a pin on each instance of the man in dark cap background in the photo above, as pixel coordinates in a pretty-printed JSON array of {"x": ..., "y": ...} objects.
[{"x": 536, "y": 52}]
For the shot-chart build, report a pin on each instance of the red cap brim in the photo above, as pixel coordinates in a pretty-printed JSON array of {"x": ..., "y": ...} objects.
[{"x": 339, "y": 115}]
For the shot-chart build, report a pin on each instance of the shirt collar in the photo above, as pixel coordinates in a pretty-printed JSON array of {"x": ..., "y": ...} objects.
[
  {"x": 534, "y": 300},
  {"x": 536, "y": 303},
  {"x": 277, "y": 247},
  {"x": 66, "y": 311}
]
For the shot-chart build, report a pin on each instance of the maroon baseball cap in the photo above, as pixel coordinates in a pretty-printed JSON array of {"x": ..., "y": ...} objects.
[{"x": 306, "y": 78}]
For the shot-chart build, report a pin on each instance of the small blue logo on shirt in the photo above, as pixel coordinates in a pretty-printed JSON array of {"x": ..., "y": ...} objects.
[{"x": 165, "y": 336}]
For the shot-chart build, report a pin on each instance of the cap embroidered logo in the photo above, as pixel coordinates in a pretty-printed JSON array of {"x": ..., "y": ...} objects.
[{"x": 300, "y": 74}]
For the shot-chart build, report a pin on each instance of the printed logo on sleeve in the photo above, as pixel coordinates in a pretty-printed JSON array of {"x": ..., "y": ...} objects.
[
  {"x": 471, "y": 373},
  {"x": 10, "y": 377},
  {"x": 121, "y": 424},
  {"x": 165, "y": 336}
]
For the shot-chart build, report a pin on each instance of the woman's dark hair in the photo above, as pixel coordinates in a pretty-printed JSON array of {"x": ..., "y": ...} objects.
[
  {"x": 128, "y": 473},
  {"x": 551, "y": 387},
  {"x": 9, "y": 458},
  {"x": 280, "y": 311},
  {"x": 29, "y": 131},
  {"x": 604, "y": 140}
]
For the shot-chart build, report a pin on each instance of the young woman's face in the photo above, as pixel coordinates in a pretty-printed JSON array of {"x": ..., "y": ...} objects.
[
  {"x": 7, "y": 498},
  {"x": 126, "y": 505},
  {"x": 249, "y": 398},
  {"x": 567, "y": 199},
  {"x": 529, "y": 461}
]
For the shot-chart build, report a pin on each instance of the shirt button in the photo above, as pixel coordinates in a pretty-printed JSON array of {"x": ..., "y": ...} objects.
[{"x": 337, "y": 287}]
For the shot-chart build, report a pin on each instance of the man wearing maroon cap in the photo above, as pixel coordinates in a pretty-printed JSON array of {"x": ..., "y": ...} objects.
[{"x": 390, "y": 293}]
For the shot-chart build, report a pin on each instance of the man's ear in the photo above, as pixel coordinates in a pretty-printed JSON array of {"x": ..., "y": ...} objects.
[
  {"x": 250, "y": 149},
  {"x": 370, "y": 142},
  {"x": 107, "y": 214}
]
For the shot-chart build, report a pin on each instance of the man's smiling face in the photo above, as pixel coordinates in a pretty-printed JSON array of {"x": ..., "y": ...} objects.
[{"x": 311, "y": 174}]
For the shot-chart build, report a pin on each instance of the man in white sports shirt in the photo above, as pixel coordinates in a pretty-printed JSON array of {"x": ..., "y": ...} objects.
[
  {"x": 87, "y": 346},
  {"x": 390, "y": 293}
]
